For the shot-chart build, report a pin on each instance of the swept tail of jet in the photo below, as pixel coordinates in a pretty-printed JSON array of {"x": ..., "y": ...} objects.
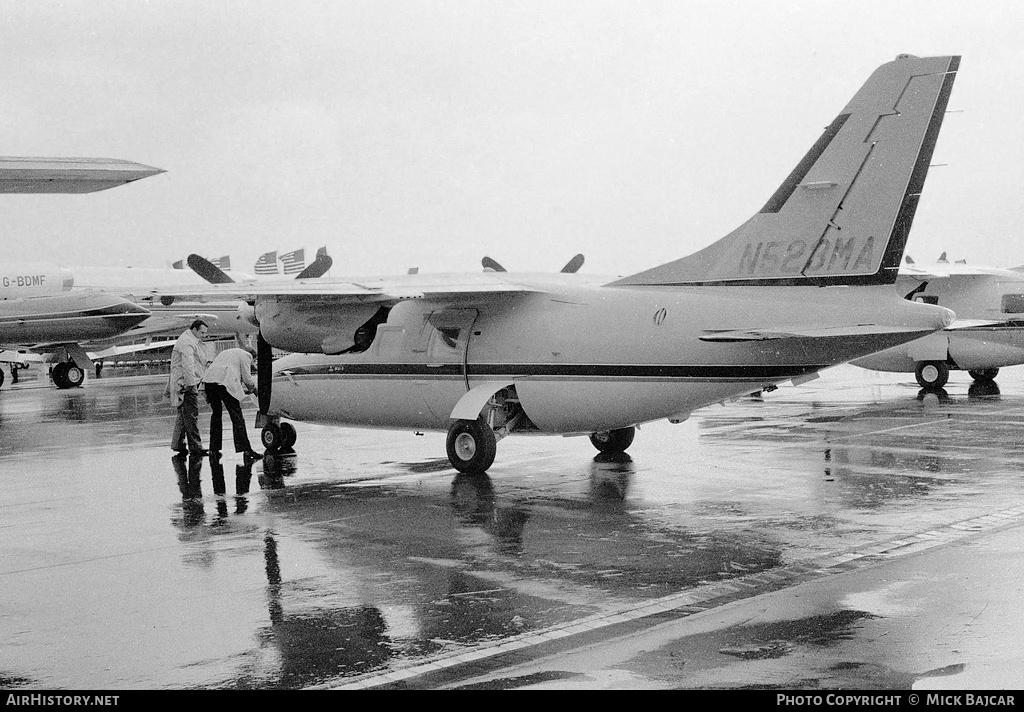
[{"x": 843, "y": 215}]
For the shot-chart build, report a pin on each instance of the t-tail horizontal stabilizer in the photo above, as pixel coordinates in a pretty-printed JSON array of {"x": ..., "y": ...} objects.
[{"x": 842, "y": 217}]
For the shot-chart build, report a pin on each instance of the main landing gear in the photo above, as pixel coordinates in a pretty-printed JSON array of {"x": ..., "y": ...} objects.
[
  {"x": 472, "y": 444},
  {"x": 984, "y": 375},
  {"x": 931, "y": 375},
  {"x": 67, "y": 374},
  {"x": 613, "y": 441}
]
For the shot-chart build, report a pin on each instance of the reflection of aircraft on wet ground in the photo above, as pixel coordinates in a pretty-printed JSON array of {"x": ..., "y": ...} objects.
[
  {"x": 38, "y": 308},
  {"x": 988, "y": 333},
  {"x": 803, "y": 285}
]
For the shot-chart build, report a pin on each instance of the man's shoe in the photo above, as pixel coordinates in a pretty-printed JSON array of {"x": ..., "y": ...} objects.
[{"x": 253, "y": 455}]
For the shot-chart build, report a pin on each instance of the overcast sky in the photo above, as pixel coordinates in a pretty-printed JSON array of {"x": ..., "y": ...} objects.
[{"x": 429, "y": 134}]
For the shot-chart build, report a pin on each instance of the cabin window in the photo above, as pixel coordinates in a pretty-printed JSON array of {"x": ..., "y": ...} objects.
[{"x": 1013, "y": 304}]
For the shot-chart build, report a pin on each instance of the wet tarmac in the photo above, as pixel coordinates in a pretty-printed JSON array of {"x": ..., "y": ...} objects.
[{"x": 850, "y": 532}]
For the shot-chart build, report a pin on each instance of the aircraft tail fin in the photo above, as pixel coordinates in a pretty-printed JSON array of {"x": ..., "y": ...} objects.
[{"x": 842, "y": 217}]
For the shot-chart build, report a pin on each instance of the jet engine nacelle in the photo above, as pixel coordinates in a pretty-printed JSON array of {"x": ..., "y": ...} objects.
[
  {"x": 33, "y": 279},
  {"x": 294, "y": 326}
]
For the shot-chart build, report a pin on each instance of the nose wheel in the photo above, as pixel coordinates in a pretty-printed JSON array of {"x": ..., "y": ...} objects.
[{"x": 278, "y": 436}]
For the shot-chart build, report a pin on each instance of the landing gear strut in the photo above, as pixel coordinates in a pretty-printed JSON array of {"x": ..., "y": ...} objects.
[{"x": 612, "y": 441}]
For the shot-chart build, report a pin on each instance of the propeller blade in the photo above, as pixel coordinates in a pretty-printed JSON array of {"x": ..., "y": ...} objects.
[
  {"x": 490, "y": 264},
  {"x": 264, "y": 373},
  {"x": 573, "y": 265},
  {"x": 207, "y": 270},
  {"x": 318, "y": 268}
]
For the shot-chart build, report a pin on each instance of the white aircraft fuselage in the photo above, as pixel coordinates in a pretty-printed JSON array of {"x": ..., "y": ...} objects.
[
  {"x": 988, "y": 333},
  {"x": 582, "y": 357}
]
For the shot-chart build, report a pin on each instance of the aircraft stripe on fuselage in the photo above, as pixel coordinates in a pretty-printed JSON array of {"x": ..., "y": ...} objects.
[{"x": 747, "y": 372}]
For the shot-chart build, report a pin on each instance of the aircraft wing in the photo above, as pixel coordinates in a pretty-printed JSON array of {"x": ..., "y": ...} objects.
[
  {"x": 358, "y": 291},
  {"x": 770, "y": 334},
  {"x": 68, "y": 175}
]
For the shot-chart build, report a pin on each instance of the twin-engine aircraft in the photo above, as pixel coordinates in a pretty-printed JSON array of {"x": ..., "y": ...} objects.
[
  {"x": 987, "y": 335},
  {"x": 804, "y": 284},
  {"x": 38, "y": 310}
]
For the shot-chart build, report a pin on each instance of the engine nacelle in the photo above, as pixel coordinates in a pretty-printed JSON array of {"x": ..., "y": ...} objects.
[
  {"x": 33, "y": 279},
  {"x": 291, "y": 326},
  {"x": 247, "y": 314}
]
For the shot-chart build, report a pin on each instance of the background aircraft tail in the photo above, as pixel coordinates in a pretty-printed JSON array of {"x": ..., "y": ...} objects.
[{"x": 843, "y": 215}]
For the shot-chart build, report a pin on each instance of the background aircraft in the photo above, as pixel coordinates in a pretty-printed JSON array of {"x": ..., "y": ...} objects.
[
  {"x": 806, "y": 283},
  {"x": 38, "y": 309},
  {"x": 988, "y": 333}
]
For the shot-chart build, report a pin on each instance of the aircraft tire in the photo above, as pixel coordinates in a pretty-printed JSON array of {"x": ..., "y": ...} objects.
[
  {"x": 984, "y": 374},
  {"x": 3, "y": 377},
  {"x": 931, "y": 374},
  {"x": 59, "y": 375},
  {"x": 610, "y": 441},
  {"x": 288, "y": 435},
  {"x": 471, "y": 445},
  {"x": 74, "y": 377},
  {"x": 272, "y": 438}
]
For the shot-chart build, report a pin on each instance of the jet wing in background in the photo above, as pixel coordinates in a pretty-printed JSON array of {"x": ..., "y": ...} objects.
[{"x": 68, "y": 175}]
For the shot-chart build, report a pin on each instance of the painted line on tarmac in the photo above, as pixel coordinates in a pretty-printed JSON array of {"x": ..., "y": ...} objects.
[{"x": 694, "y": 600}]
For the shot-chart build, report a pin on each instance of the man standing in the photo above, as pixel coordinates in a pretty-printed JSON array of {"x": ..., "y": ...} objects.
[
  {"x": 227, "y": 381},
  {"x": 188, "y": 363}
]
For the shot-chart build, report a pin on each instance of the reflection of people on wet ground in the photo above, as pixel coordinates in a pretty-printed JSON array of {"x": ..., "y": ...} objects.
[
  {"x": 188, "y": 363},
  {"x": 188, "y": 479},
  {"x": 227, "y": 381}
]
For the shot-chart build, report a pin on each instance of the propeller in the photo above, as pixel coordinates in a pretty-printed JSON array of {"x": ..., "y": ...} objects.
[
  {"x": 318, "y": 268},
  {"x": 490, "y": 264},
  {"x": 571, "y": 267},
  {"x": 264, "y": 375},
  {"x": 207, "y": 270}
]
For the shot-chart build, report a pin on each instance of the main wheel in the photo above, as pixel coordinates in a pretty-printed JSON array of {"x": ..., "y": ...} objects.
[
  {"x": 931, "y": 374},
  {"x": 59, "y": 374},
  {"x": 288, "y": 435},
  {"x": 2, "y": 377},
  {"x": 471, "y": 445},
  {"x": 984, "y": 374},
  {"x": 73, "y": 376},
  {"x": 613, "y": 440}
]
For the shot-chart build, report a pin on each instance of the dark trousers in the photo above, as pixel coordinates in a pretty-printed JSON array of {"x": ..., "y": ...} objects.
[
  {"x": 216, "y": 395},
  {"x": 186, "y": 425}
]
